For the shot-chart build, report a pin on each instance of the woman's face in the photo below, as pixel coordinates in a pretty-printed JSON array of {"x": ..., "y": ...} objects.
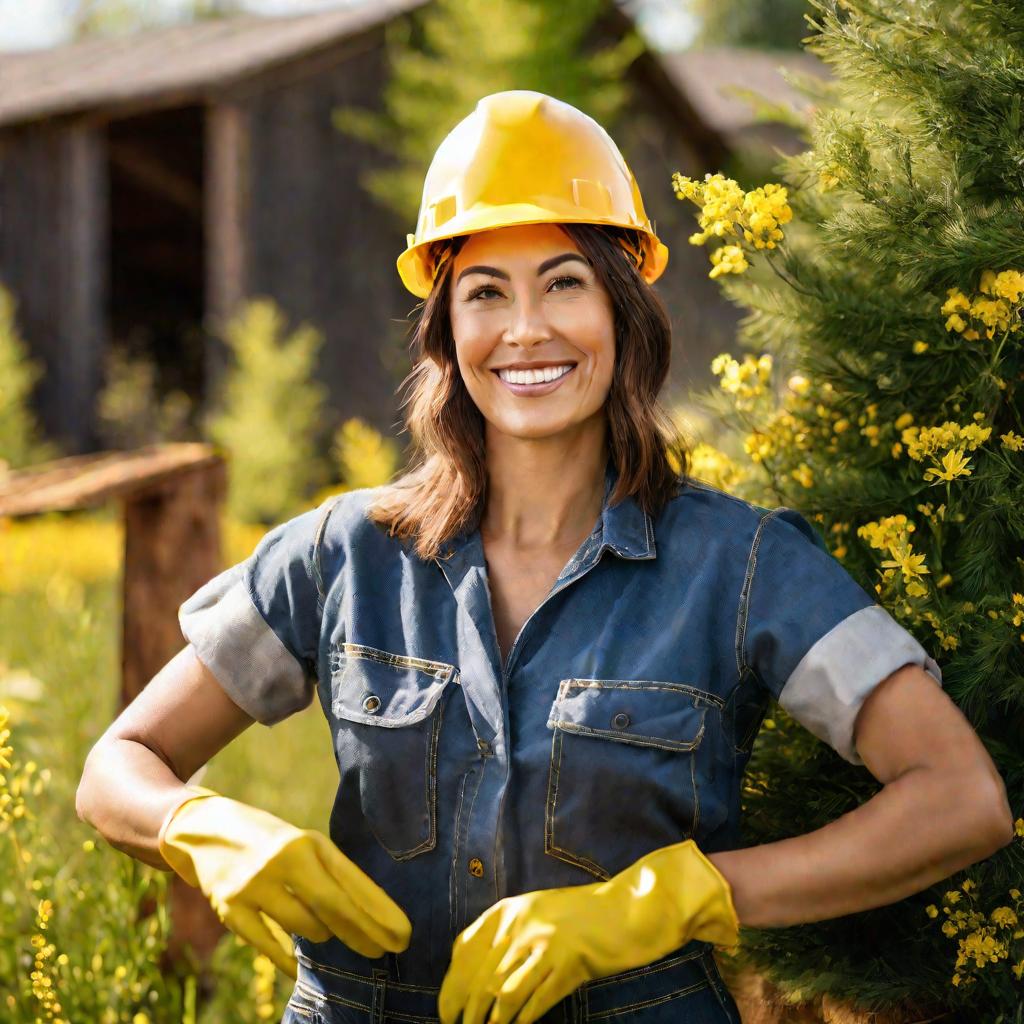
[{"x": 525, "y": 298}]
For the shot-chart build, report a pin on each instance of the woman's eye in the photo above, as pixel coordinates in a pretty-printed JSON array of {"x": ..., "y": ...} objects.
[
  {"x": 568, "y": 277},
  {"x": 487, "y": 288}
]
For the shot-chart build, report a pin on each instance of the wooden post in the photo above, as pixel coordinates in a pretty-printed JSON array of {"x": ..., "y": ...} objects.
[
  {"x": 172, "y": 495},
  {"x": 171, "y": 548}
]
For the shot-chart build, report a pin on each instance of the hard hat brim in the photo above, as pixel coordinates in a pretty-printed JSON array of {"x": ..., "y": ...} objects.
[{"x": 414, "y": 263}]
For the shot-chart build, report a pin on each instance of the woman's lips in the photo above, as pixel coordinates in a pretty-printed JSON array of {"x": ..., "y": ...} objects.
[{"x": 534, "y": 390}]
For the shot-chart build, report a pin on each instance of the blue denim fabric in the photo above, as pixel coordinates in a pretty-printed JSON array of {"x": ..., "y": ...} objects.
[{"x": 622, "y": 720}]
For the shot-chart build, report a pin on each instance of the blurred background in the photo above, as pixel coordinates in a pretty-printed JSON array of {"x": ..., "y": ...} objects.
[{"x": 165, "y": 164}]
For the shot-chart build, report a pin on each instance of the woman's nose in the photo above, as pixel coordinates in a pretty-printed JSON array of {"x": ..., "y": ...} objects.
[{"x": 527, "y": 323}]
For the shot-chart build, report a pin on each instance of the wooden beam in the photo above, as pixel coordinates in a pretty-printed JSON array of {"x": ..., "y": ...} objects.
[{"x": 84, "y": 481}]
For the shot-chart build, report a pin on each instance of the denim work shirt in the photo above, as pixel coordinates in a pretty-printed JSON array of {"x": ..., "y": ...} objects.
[{"x": 621, "y": 721}]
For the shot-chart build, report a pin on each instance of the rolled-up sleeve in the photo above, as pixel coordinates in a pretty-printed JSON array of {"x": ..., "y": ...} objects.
[
  {"x": 814, "y": 637},
  {"x": 256, "y": 625}
]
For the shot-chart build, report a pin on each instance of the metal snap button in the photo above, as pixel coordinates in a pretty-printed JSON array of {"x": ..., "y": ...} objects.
[
  {"x": 371, "y": 703},
  {"x": 483, "y": 746},
  {"x": 621, "y": 720},
  {"x": 476, "y": 867}
]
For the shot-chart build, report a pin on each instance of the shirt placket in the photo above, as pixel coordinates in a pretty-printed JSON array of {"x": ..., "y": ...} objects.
[{"x": 477, "y": 878}]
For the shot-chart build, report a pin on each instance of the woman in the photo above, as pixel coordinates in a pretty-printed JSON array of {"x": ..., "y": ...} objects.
[{"x": 544, "y": 654}]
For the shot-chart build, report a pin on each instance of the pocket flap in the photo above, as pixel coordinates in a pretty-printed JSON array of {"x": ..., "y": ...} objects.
[
  {"x": 379, "y": 688},
  {"x": 645, "y": 712}
]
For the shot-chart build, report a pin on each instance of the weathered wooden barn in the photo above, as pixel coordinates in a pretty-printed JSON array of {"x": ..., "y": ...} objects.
[{"x": 149, "y": 184}]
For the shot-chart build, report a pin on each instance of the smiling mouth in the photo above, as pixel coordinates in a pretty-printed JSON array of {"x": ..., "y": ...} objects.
[
  {"x": 529, "y": 375},
  {"x": 532, "y": 386}
]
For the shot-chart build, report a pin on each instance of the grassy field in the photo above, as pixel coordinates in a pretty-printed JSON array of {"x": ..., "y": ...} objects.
[{"x": 75, "y": 945}]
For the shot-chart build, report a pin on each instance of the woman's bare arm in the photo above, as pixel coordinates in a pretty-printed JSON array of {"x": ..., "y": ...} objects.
[
  {"x": 138, "y": 769},
  {"x": 943, "y": 807}
]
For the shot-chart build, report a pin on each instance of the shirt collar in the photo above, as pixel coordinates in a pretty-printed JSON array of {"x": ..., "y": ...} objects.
[{"x": 624, "y": 528}]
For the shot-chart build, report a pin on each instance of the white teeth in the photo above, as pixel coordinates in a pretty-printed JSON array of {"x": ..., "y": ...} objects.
[{"x": 535, "y": 376}]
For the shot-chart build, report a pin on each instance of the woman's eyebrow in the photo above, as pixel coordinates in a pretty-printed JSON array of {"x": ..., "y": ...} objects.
[{"x": 546, "y": 265}]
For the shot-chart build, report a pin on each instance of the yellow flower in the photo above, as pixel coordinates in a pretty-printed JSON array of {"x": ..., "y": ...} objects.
[
  {"x": 919, "y": 347},
  {"x": 1018, "y": 827},
  {"x": 1012, "y": 440},
  {"x": 728, "y": 259},
  {"x": 954, "y": 465},
  {"x": 956, "y": 302},
  {"x": 931, "y": 910},
  {"x": 1008, "y": 285},
  {"x": 909, "y": 564},
  {"x": 804, "y": 475},
  {"x": 1004, "y": 917}
]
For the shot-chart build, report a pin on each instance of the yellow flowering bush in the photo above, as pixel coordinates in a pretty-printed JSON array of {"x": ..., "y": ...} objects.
[
  {"x": 715, "y": 467},
  {"x": 996, "y": 308},
  {"x": 904, "y": 444},
  {"x": 76, "y": 944},
  {"x": 983, "y": 936},
  {"x": 741, "y": 219}
]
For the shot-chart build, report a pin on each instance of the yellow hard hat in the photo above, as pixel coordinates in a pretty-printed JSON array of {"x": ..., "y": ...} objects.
[{"x": 523, "y": 157}]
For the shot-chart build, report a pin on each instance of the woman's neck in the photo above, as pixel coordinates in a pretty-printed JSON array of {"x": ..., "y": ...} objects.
[{"x": 543, "y": 495}]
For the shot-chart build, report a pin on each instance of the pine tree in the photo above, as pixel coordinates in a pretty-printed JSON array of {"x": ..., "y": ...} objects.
[
  {"x": 21, "y": 443},
  {"x": 452, "y": 52},
  {"x": 882, "y": 398},
  {"x": 270, "y": 415}
]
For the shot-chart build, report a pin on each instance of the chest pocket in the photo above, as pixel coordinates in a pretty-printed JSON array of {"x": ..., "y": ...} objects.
[
  {"x": 623, "y": 776},
  {"x": 387, "y": 711}
]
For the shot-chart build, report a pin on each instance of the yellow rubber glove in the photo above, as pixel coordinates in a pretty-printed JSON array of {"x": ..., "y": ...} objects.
[
  {"x": 526, "y": 953},
  {"x": 265, "y": 877}
]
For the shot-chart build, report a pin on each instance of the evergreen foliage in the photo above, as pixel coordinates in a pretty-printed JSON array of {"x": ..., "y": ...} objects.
[
  {"x": 364, "y": 457},
  {"x": 21, "y": 443},
  {"x": 270, "y": 415},
  {"x": 448, "y": 55},
  {"x": 129, "y": 410},
  {"x": 886, "y": 405}
]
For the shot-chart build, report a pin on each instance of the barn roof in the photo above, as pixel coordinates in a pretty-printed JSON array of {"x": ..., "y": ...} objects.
[
  {"x": 181, "y": 63},
  {"x": 707, "y": 77},
  {"x": 179, "y": 59}
]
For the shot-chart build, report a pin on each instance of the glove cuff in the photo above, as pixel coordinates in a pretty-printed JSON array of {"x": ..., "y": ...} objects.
[
  {"x": 177, "y": 859},
  {"x": 722, "y": 927},
  {"x": 702, "y": 894}
]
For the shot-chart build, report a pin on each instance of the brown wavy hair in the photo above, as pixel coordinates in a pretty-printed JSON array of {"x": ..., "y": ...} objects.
[{"x": 444, "y": 490}]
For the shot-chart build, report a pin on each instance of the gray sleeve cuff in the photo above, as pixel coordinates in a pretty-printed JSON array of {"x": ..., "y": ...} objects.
[
  {"x": 233, "y": 640},
  {"x": 833, "y": 679}
]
